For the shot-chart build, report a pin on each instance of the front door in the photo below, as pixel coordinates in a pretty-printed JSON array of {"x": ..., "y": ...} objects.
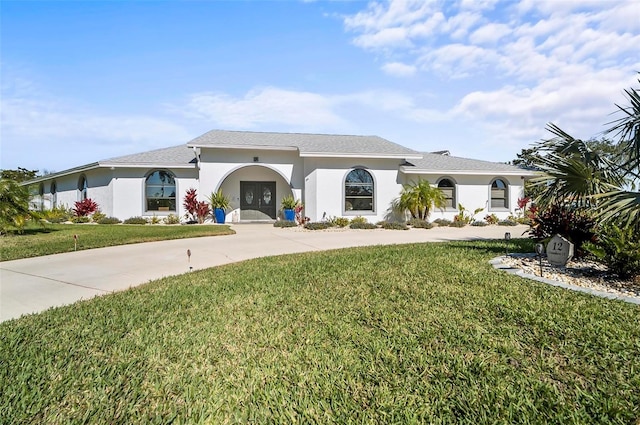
[{"x": 257, "y": 200}]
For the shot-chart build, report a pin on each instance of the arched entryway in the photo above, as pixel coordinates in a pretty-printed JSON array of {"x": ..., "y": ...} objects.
[{"x": 255, "y": 192}]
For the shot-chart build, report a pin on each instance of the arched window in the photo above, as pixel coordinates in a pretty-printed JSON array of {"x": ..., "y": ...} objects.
[
  {"x": 41, "y": 197},
  {"x": 499, "y": 194},
  {"x": 54, "y": 194},
  {"x": 448, "y": 188},
  {"x": 82, "y": 188},
  {"x": 160, "y": 191},
  {"x": 358, "y": 191}
]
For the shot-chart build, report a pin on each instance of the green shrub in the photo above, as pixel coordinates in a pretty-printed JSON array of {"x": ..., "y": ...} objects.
[
  {"x": 97, "y": 216},
  {"x": 394, "y": 226},
  {"x": 507, "y": 223},
  {"x": 442, "y": 222},
  {"x": 359, "y": 219},
  {"x": 285, "y": 223},
  {"x": 109, "y": 220},
  {"x": 362, "y": 225},
  {"x": 155, "y": 219},
  {"x": 172, "y": 219},
  {"x": 340, "y": 221},
  {"x": 317, "y": 225},
  {"x": 80, "y": 219},
  {"x": 419, "y": 224},
  {"x": 136, "y": 220},
  {"x": 619, "y": 249},
  {"x": 57, "y": 215},
  {"x": 457, "y": 223},
  {"x": 491, "y": 219},
  {"x": 479, "y": 223}
]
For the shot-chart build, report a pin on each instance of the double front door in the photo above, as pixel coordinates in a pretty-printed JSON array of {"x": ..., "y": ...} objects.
[{"x": 257, "y": 200}]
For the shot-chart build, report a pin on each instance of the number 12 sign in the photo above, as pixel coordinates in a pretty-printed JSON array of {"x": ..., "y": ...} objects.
[{"x": 559, "y": 251}]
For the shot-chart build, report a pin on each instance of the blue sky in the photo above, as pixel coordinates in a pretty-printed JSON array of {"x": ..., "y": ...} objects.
[{"x": 90, "y": 80}]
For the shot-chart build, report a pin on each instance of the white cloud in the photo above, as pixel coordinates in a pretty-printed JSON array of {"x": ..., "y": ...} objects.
[
  {"x": 269, "y": 105},
  {"x": 68, "y": 134},
  {"x": 489, "y": 34},
  {"x": 399, "y": 69},
  {"x": 518, "y": 64}
]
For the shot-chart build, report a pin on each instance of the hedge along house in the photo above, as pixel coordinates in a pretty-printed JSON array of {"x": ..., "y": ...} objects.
[{"x": 333, "y": 175}]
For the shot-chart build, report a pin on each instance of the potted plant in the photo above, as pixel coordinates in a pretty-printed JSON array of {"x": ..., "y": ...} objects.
[
  {"x": 219, "y": 203},
  {"x": 289, "y": 204}
]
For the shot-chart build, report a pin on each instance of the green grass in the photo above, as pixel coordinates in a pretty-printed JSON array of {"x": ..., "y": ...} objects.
[
  {"x": 58, "y": 238},
  {"x": 424, "y": 333}
]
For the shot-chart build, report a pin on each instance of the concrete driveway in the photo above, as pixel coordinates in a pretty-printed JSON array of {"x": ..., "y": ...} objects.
[{"x": 36, "y": 284}]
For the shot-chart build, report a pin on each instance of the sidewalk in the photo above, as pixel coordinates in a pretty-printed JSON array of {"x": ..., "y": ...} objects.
[{"x": 36, "y": 284}]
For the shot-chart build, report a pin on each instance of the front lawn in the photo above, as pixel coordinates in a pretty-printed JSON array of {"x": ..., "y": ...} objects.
[
  {"x": 424, "y": 333},
  {"x": 57, "y": 238}
]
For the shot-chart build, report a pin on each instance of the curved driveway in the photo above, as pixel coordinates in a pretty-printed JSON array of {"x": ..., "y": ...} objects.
[{"x": 36, "y": 284}]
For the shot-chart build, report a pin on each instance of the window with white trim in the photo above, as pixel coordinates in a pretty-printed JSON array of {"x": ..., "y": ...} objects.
[
  {"x": 448, "y": 188},
  {"x": 358, "y": 191},
  {"x": 54, "y": 194},
  {"x": 499, "y": 194},
  {"x": 160, "y": 191},
  {"x": 82, "y": 188}
]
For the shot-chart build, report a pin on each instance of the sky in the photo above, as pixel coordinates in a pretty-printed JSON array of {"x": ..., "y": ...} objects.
[{"x": 83, "y": 81}]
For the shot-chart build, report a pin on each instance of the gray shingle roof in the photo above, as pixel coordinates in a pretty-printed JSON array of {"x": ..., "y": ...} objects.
[
  {"x": 306, "y": 144},
  {"x": 173, "y": 156},
  {"x": 437, "y": 162}
]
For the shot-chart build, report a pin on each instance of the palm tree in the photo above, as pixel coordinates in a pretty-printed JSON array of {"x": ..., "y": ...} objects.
[
  {"x": 419, "y": 199},
  {"x": 14, "y": 205},
  {"x": 573, "y": 172},
  {"x": 623, "y": 205},
  {"x": 576, "y": 175}
]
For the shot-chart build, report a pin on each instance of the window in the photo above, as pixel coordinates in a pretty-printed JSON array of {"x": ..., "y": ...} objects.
[
  {"x": 499, "y": 194},
  {"x": 41, "y": 197},
  {"x": 358, "y": 191},
  {"x": 54, "y": 195},
  {"x": 160, "y": 191},
  {"x": 448, "y": 188},
  {"x": 82, "y": 188}
]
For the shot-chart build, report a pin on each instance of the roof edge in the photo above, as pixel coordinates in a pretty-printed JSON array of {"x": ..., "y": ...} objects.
[{"x": 63, "y": 173}]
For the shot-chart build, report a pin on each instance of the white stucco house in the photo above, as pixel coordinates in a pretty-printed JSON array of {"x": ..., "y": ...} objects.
[{"x": 333, "y": 175}]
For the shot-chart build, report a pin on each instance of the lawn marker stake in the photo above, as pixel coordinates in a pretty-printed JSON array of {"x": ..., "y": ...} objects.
[
  {"x": 539, "y": 251},
  {"x": 75, "y": 242},
  {"x": 507, "y": 238}
]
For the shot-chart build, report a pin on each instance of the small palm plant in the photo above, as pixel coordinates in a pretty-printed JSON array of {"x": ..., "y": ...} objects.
[{"x": 419, "y": 199}]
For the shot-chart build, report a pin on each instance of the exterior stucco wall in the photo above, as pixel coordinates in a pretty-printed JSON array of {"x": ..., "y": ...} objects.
[
  {"x": 324, "y": 184},
  {"x": 129, "y": 184},
  {"x": 120, "y": 192},
  {"x": 226, "y": 168},
  {"x": 474, "y": 191}
]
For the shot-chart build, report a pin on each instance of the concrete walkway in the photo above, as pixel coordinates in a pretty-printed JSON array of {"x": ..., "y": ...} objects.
[{"x": 36, "y": 284}]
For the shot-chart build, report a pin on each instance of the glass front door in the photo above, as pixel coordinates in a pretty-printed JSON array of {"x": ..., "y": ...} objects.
[{"x": 257, "y": 200}]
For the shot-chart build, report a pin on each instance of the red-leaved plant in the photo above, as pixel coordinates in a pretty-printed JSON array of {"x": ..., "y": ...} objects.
[
  {"x": 85, "y": 207},
  {"x": 190, "y": 204},
  {"x": 202, "y": 211},
  {"x": 196, "y": 210}
]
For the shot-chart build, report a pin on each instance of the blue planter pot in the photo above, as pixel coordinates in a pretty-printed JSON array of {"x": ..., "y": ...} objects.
[
  {"x": 289, "y": 215},
  {"x": 220, "y": 215}
]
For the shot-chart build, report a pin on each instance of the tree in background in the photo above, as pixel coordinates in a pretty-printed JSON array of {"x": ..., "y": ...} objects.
[{"x": 20, "y": 175}]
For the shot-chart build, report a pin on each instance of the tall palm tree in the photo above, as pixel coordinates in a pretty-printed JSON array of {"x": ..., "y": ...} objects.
[
  {"x": 573, "y": 173},
  {"x": 419, "y": 199},
  {"x": 623, "y": 205},
  {"x": 578, "y": 176}
]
